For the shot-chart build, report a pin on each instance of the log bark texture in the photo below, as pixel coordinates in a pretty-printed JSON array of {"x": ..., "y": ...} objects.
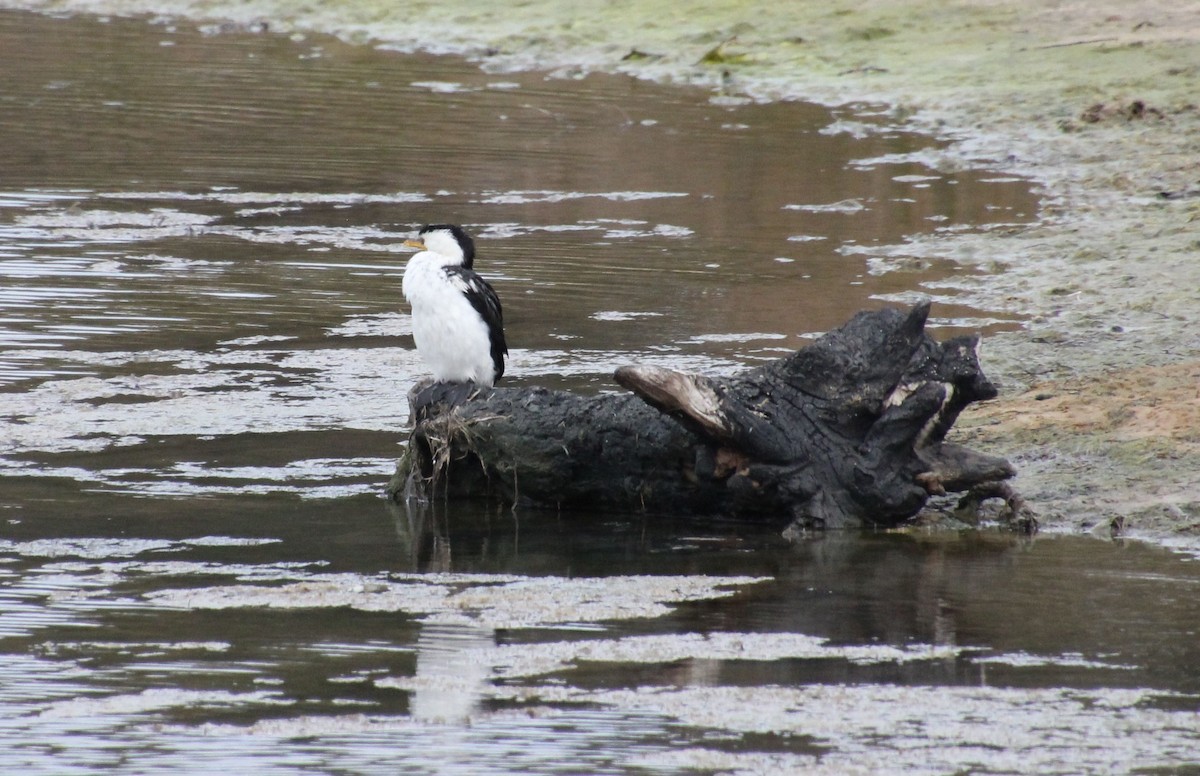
[{"x": 847, "y": 432}]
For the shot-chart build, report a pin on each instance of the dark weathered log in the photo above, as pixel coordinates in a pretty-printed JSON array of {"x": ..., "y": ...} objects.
[{"x": 848, "y": 431}]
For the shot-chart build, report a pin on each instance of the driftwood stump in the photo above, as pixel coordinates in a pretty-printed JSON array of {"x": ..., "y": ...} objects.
[{"x": 846, "y": 432}]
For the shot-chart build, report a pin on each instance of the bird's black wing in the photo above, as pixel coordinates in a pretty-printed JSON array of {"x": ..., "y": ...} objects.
[{"x": 483, "y": 298}]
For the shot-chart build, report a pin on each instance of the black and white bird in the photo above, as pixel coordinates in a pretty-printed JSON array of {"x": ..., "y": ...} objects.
[{"x": 457, "y": 320}]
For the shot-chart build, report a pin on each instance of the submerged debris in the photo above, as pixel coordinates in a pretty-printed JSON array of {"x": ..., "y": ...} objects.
[{"x": 717, "y": 55}]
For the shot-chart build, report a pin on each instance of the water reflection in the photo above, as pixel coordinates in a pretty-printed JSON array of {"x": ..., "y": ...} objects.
[
  {"x": 450, "y": 679},
  {"x": 995, "y": 598},
  {"x": 398, "y": 640}
]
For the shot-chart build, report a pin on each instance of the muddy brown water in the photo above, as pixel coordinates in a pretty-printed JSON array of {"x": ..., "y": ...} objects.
[{"x": 203, "y": 359}]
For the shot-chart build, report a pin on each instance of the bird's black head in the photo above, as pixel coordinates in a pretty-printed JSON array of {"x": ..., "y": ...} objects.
[{"x": 465, "y": 243}]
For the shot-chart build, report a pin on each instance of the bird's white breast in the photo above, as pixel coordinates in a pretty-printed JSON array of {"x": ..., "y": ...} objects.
[{"x": 450, "y": 335}]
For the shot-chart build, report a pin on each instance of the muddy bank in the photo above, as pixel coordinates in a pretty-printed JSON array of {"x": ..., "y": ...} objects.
[{"x": 1094, "y": 101}]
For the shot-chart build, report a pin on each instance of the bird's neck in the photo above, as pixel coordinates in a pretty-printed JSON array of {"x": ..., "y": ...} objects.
[
  {"x": 426, "y": 261},
  {"x": 424, "y": 269}
]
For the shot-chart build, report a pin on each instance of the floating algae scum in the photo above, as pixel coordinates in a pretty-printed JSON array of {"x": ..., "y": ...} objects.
[{"x": 204, "y": 364}]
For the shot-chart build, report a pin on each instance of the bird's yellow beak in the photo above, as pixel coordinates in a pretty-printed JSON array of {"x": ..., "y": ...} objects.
[{"x": 418, "y": 244}]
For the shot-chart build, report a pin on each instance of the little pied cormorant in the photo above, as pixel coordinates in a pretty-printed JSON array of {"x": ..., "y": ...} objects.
[{"x": 457, "y": 320}]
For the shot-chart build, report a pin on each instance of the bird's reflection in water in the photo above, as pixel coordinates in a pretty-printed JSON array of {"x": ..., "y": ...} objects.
[
  {"x": 452, "y": 658},
  {"x": 422, "y": 546},
  {"x": 452, "y": 671}
]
